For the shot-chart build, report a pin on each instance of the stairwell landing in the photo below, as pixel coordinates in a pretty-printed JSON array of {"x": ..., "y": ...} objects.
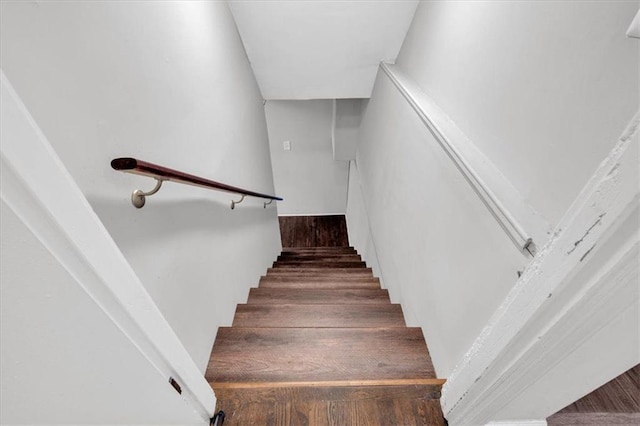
[{"x": 319, "y": 342}]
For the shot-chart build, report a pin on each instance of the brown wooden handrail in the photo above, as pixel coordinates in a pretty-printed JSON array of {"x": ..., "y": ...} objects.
[{"x": 161, "y": 174}]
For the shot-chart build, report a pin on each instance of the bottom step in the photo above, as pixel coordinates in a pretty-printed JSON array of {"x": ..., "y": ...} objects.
[{"x": 333, "y": 406}]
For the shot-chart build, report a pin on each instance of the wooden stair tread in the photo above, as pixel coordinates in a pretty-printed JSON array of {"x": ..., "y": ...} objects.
[
  {"x": 319, "y": 283},
  {"x": 322, "y": 271},
  {"x": 319, "y": 342},
  {"x": 318, "y": 263},
  {"x": 324, "y": 356},
  {"x": 319, "y": 257},
  {"x": 319, "y": 253},
  {"x": 395, "y": 411},
  {"x": 319, "y": 315},
  {"x": 312, "y": 254},
  {"x": 321, "y": 264},
  {"x": 318, "y": 277},
  {"x": 318, "y": 248},
  {"x": 315, "y": 295}
]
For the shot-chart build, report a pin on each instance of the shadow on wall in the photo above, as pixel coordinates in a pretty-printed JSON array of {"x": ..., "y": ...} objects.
[
  {"x": 132, "y": 227},
  {"x": 197, "y": 258}
]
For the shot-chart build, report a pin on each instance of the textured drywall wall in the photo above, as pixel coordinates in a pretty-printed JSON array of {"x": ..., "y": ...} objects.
[
  {"x": 441, "y": 253},
  {"x": 169, "y": 83},
  {"x": 63, "y": 359},
  {"x": 307, "y": 176},
  {"x": 358, "y": 228},
  {"x": 542, "y": 88},
  {"x": 346, "y": 124}
]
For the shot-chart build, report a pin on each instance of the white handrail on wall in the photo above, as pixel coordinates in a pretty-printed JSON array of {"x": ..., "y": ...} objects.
[
  {"x": 536, "y": 334},
  {"x": 523, "y": 239}
]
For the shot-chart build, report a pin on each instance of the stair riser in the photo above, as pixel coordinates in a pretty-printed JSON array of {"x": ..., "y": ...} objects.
[
  {"x": 324, "y": 271},
  {"x": 312, "y": 264},
  {"x": 315, "y": 258},
  {"x": 317, "y": 278},
  {"x": 319, "y": 284},
  {"x": 341, "y": 316},
  {"x": 320, "y": 253},
  {"x": 324, "y": 251},
  {"x": 320, "y": 258},
  {"x": 323, "y": 393},
  {"x": 316, "y": 296},
  {"x": 319, "y": 248},
  {"x": 313, "y": 283}
]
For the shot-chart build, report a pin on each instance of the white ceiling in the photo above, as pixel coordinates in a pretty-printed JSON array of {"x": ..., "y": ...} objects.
[{"x": 305, "y": 49}]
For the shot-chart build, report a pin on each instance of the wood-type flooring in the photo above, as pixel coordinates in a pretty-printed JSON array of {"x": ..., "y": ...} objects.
[
  {"x": 614, "y": 403},
  {"x": 313, "y": 231},
  {"x": 319, "y": 343}
]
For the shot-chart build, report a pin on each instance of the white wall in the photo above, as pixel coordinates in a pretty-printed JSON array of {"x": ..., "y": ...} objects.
[
  {"x": 441, "y": 253},
  {"x": 346, "y": 126},
  {"x": 592, "y": 364},
  {"x": 532, "y": 84},
  {"x": 358, "y": 227},
  {"x": 544, "y": 90},
  {"x": 73, "y": 265},
  {"x": 571, "y": 321},
  {"x": 64, "y": 361},
  {"x": 307, "y": 177},
  {"x": 167, "y": 82}
]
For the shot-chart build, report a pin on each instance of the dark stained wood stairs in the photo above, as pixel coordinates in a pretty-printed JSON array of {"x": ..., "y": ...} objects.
[{"x": 319, "y": 342}]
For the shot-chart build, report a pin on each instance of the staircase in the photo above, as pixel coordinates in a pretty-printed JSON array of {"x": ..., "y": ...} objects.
[{"x": 319, "y": 342}]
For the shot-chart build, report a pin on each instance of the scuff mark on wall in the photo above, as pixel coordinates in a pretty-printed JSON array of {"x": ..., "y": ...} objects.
[
  {"x": 577, "y": 243},
  {"x": 587, "y": 252}
]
